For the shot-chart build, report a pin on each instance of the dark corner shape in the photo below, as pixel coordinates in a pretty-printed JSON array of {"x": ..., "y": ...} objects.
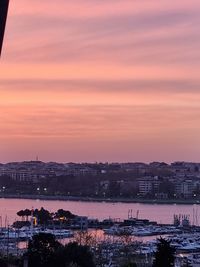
[{"x": 3, "y": 16}]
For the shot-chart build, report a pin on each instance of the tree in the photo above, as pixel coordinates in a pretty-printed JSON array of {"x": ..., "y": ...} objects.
[
  {"x": 42, "y": 250},
  {"x": 21, "y": 214},
  {"x": 27, "y": 213},
  {"x": 24, "y": 213},
  {"x": 130, "y": 264},
  {"x": 43, "y": 216},
  {"x": 167, "y": 187},
  {"x": 65, "y": 214},
  {"x": 114, "y": 189},
  {"x": 3, "y": 262},
  {"x": 45, "y": 251},
  {"x": 84, "y": 238},
  {"x": 128, "y": 249},
  {"x": 73, "y": 254},
  {"x": 165, "y": 254}
]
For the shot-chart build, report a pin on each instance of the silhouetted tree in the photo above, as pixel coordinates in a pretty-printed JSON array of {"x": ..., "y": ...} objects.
[
  {"x": 64, "y": 214},
  {"x": 42, "y": 250},
  {"x": 165, "y": 254},
  {"x": 27, "y": 213},
  {"x": 43, "y": 216},
  {"x": 167, "y": 187},
  {"x": 3, "y": 262},
  {"x": 114, "y": 189},
  {"x": 73, "y": 254},
  {"x": 84, "y": 238},
  {"x": 130, "y": 264},
  {"x": 45, "y": 251},
  {"x": 21, "y": 213}
]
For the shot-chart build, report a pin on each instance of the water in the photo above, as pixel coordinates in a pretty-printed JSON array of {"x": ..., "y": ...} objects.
[{"x": 161, "y": 213}]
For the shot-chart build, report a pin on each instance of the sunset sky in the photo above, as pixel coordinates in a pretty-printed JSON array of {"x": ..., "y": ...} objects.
[{"x": 101, "y": 80}]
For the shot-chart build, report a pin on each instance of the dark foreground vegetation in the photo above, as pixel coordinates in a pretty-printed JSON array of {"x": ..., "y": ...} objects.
[{"x": 45, "y": 251}]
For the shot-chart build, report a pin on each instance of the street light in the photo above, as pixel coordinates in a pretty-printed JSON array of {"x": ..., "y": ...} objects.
[{"x": 38, "y": 190}]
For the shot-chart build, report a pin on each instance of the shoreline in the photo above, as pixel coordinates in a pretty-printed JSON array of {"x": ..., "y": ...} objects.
[{"x": 107, "y": 200}]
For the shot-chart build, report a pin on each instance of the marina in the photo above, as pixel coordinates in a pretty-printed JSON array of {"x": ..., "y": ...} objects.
[
  {"x": 125, "y": 226},
  {"x": 161, "y": 213}
]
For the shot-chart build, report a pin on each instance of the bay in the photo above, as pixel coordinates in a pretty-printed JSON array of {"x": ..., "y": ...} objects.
[{"x": 161, "y": 213}]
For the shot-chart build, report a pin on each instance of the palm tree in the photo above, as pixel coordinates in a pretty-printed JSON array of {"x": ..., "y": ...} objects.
[
  {"x": 27, "y": 213},
  {"x": 21, "y": 214}
]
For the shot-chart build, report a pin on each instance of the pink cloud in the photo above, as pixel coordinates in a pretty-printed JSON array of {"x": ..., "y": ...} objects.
[{"x": 119, "y": 77}]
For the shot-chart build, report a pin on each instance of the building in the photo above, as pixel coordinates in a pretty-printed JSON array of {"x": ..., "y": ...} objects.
[
  {"x": 148, "y": 185},
  {"x": 184, "y": 188}
]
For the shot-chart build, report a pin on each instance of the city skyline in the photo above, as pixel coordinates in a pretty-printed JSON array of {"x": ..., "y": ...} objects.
[{"x": 112, "y": 81}]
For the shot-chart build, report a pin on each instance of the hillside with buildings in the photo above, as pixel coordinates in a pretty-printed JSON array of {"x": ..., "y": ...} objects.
[{"x": 157, "y": 180}]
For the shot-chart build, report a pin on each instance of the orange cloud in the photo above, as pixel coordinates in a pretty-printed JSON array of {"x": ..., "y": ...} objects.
[{"x": 101, "y": 80}]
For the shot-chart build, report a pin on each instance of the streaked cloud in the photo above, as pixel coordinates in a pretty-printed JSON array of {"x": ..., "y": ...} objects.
[
  {"x": 101, "y": 80},
  {"x": 106, "y": 132}
]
